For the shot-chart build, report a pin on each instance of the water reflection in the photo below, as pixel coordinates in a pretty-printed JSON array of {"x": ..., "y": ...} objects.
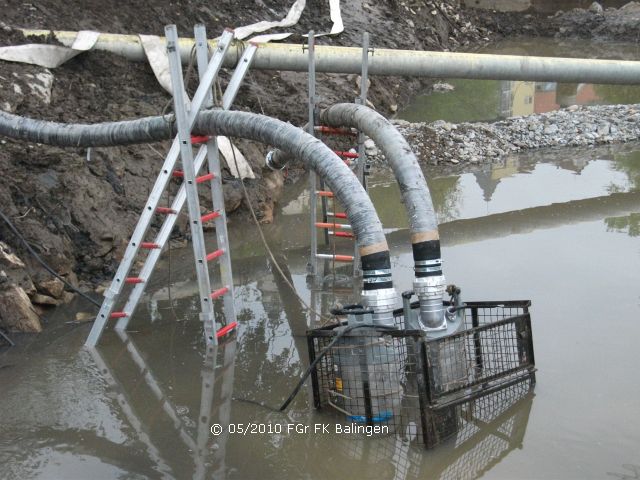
[
  {"x": 141, "y": 407},
  {"x": 158, "y": 423},
  {"x": 487, "y": 100}
]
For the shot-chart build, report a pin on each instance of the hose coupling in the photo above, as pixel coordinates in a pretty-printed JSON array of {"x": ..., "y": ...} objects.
[
  {"x": 430, "y": 291},
  {"x": 383, "y": 302}
]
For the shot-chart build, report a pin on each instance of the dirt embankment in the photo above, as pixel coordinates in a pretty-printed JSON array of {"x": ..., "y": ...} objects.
[
  {"x": 592, "y": 23},
  {"x": 77, "y": 207}
]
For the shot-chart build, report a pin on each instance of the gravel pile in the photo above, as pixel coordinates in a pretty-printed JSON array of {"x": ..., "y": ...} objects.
[{"x": 442, "y": 142}]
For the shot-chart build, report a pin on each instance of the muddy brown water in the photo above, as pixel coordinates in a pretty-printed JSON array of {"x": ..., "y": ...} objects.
[
  {"x": 561, "y": 228},
  {"x": 487, "y": 100}
]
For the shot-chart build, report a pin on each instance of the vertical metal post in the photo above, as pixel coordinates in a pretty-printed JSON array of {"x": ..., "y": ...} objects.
[
  {"x": 477, "y": 342},
  {"x": 312, "y": 266},
  {"x": 315, "y": 385},
  {"x": 186, "y": 154},
  {"x": 217, "y": 194},
  {"x": 360, "y": 169}
]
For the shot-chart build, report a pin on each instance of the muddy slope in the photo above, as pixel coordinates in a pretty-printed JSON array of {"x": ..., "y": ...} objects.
[
  {"x": 77, "y": 207},
  {"x": 591, "y": 23}
]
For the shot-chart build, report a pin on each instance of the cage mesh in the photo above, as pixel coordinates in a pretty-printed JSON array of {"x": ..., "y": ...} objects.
[{"x": 426, "y": 390}]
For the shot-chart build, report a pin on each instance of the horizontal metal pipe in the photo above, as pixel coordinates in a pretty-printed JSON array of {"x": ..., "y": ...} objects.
[{"x": 330, "y": 59}]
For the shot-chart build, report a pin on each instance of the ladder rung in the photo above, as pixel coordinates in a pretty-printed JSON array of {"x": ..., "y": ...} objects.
[
  {"x": 226, "y": 329},
  {"x": 323, "y": 193},
  {"x": 337, "y": 215},
  {"x": 335, "y": 131},
  {"x": 149, "y": 245},
  {"x": 178, "y": 173},
  {"x": 214, "y": 255},
  {"x": 218, "y": 293},
  {"x": 200, "y": 138},
  {"x": 119, "y": 315},
  {"x": 337, "y": 258},
  {"x": 342, "y": 226},
  {"x": 204, "y": 178},
  {"x": 209, "y": 216},
  {"x": 342, "y": 234},
  {"x": 346, "y": 154},
  {"x": 133, "y": 280},
  {"x": 165, "y": 210}
]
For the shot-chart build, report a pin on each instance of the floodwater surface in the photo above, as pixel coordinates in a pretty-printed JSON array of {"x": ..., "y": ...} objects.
[{"x": 561, "y": 228}]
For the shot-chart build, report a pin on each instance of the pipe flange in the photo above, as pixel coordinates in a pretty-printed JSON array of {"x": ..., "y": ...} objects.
[{"x": 429, "y": 286}]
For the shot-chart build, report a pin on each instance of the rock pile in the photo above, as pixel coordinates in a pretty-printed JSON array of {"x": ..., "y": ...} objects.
[{"x": 442, "y": 142}]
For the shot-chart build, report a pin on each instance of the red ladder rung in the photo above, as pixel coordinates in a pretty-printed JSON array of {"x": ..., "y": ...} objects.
[
  {"x": 226, "y": 329},
  {"x": 165, "y": 210},
  {"x": 149, "y": 245},
  {"x": 333, "y": 225},
  {"x": 204, "y": 178},
  {"x": 200, "y": 138},
  {"x": 133, "y": 280},
  {"x": 335, "y": 131},
  {"x": 337, "y": 215},
  {"x": 342, "y": 234},
  {"x": 337, "y": 258},
  {"x": 178, "y": 173},
  {"x": 323, "y": 193},
  {"x": 214, "y": 255},
  {"x": 218, "y": 293},
  {"x": 209, "y": 216},
  {"x": 345, "y": 154},
  {"x": 119, "y": 315}
]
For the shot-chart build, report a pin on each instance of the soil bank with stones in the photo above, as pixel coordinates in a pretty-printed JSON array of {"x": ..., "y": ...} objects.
[{"x": 78, "y": 207}]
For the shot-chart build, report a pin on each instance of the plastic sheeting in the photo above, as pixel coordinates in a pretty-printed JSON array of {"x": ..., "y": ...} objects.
[{"x": 49, "y": 56}]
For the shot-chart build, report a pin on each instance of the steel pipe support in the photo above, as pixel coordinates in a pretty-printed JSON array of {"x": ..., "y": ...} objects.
[{"x": 416, "y": 63}]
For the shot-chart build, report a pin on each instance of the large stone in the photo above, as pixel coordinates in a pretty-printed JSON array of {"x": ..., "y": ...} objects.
[
  {"x": 14, "y": 269},
  {"x": 8, "y": 259},
  {"x": 52, "y": 287},
  {"x": 596, "y": 8},
  {"x": 40, "y": 299},
  {"x": 16, "y": 312}
]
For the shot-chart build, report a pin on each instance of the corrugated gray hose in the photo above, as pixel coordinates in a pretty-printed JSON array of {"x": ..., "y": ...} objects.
[
  {"x": 311, "y": 151},
  {"x": 429, "y": 283}
]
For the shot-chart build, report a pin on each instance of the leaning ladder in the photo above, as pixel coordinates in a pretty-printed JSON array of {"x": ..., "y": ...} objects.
[
  {"x": 182, "y": 147},
  {"x": 357, "y": 161}
]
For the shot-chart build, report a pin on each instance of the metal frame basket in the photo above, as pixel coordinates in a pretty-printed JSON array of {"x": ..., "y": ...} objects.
[{"x": 401, "y": 382}]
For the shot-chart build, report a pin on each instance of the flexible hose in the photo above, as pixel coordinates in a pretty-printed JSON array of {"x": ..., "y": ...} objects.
[
  {"x": 429, "y": 281},
  {"x": 366, "y": 226}
]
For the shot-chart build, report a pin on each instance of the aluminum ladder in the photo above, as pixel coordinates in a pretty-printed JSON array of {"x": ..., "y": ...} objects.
[
  {"x": 331, "y": 220},
  {"x": 185, "y": 115}
]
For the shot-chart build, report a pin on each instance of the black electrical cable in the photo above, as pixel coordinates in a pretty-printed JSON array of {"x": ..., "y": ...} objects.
[
  {"x": 322, "y": 353},
  {"x": 42, "y": 262},
  {"x": 312, "y": 367}
]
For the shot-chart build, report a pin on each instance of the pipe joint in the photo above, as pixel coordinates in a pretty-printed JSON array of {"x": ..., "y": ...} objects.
[
  {"x": 430, "y": 291},
  {"x": 270, "y": 161},
  {"x": 383, "y": 302}
]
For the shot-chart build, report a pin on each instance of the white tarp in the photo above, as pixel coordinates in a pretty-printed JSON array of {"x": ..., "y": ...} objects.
[
  {"x": 291, "y": 19},
  {"x": 336, "y": 18},
  {"x": 49, "y": 56},
  {"x": 225, "y": 146},
  {"x": 156, "y": 51}
]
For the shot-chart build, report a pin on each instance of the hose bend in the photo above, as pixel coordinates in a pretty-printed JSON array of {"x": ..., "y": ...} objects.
[
  {"x": 429, "y": 283},
  {"x": 312, "y": 152}
]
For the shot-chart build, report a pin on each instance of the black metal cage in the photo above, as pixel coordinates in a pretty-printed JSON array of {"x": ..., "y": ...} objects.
[{"x": 397, "y": 381}]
